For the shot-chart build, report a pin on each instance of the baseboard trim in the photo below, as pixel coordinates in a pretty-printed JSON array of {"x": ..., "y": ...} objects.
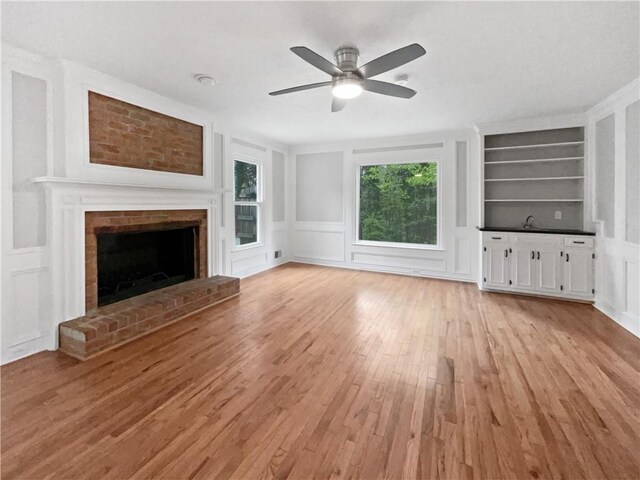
[
  {"x": 329, "y": 263},
  {"x": 625, "y": 321},
  {"x": 536, "y": 295}
]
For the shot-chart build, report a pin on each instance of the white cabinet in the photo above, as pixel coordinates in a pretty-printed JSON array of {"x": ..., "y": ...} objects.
[
  {"x": 544, "y": 264},
  {"x": 549, "y": 270},
  {"x": 523, "y": 266},
  {"x": 578, "y": 272},
  {"x": 496, "y": 264}
]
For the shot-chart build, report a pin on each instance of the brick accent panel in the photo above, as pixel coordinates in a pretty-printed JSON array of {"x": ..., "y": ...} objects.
[
  {"x": 126, "y": 135},
  {"x": 138, "y": 221},
  {"x": 121, "y": 322}
]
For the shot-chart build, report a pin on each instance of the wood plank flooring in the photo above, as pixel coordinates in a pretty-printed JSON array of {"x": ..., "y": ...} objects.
[{"x": 316, "y": 372}]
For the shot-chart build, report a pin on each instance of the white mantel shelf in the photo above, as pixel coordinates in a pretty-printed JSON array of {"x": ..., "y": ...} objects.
[{"x": 72, "y": 182}]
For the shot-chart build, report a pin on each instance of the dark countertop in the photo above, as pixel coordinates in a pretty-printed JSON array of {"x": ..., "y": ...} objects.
[{"x": 536, "y": 230}]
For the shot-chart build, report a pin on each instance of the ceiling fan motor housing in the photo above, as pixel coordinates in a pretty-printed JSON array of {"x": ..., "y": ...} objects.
[{"x": 347, "y": 59}]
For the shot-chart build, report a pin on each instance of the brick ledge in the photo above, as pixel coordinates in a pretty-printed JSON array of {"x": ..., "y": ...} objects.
[
  {"x": 144, "y": 334},
  {"x": 114, "y": 325}
]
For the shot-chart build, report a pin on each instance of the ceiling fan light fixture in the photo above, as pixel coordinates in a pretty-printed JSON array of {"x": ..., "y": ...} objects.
[{"x": 347, "y": 88}]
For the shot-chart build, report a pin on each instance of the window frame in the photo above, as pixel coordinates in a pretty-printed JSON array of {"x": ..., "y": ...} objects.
[
  {"x": 258, "y": 202},
  {"x": 400, "y": 159}
]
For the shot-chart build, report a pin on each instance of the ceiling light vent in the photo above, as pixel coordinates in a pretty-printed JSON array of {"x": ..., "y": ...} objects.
[{"x": 204, "y": 79}]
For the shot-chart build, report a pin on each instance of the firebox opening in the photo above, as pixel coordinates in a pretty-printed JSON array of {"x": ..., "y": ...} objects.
[{"x": 134, "y": 263}]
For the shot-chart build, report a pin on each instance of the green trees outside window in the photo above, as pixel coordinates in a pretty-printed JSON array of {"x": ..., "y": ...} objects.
[
  {"x": 399, "y": 203},
  {"x": 246, "y": 201}
]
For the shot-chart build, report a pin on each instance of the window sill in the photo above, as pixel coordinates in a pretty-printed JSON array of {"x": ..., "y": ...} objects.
[
  {"x": 404, "y": 246},
  {"x": 249, "y": 246}
]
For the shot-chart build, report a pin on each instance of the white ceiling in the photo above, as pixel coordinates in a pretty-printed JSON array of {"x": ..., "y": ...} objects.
[{"x": 485, "y": 61}]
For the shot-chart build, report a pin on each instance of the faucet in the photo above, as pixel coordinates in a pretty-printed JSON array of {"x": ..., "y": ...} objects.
[{"x": 528, "y": 223}]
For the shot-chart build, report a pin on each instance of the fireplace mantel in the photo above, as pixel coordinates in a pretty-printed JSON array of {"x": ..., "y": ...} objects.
[
  {"x": 81, "y": 183},
  {"x": 68, "y": 201}
]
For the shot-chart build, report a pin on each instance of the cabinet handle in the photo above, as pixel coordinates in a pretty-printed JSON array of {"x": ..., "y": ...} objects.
[
  {"x": 496, "y": 238},
  {"x": 567, "y": 257},
  {"x": 533, "y": 255},
  {"x": 578, "y": 242},
  {"x": 538, "y": 255},
  {"x": 506, "y": 252}
]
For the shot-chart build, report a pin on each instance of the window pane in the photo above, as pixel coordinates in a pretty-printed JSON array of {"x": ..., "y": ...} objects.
[
  {"x": 246, "y": 181},
  {"x": 398, "y": 203},
  {"x": 246, "y": 224}
]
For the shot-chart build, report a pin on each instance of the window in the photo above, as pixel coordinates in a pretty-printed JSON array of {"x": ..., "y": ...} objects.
[
  {"x": 398, "y": 203},
  {"x": 247, "y": 202}
]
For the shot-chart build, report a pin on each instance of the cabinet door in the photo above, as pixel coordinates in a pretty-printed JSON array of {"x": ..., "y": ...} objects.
[
  {"x": 548, "y": 270},
  {"x": 523, "y": 267},
  {"x": 496, "y": 265},
  {"x": 578, "y": 272}
]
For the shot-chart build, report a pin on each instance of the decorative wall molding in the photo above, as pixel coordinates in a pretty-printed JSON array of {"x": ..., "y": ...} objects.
[
  {"x": 617, "y": 260},
  {"x": 335, "y": 243}
]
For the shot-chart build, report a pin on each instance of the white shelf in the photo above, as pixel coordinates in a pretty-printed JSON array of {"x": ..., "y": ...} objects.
[
  {"x": 539, "y": 145},
  {"x": 534, "y": 200},
  {"x": 534, "y": 160},
  {"x": 530, "y": 179}
]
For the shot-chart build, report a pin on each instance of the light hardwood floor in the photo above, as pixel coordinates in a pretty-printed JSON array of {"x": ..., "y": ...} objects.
[{"x": 316, "y": 372}]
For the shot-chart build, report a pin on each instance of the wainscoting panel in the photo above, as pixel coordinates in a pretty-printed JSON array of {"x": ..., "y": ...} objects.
[
  {"x": 28, "y": 315},
  {"x": 462, "y": 255},
  {"x": 632, "y": 275},
  {"x": 240, "y": 266},
  {"x": 280, "y": 241},
  {"x": 415, "y": 263},
  {"x": 319, "y": 245}
]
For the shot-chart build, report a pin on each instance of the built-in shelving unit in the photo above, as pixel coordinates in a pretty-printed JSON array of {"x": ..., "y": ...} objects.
[
  {"x": 536, "y": 160},
  {"x": 533, "y": 179},
  {"x": 539, "y": 173},
  {"x": 535, "y": 200},
  {"x": 534, "y": 145}
]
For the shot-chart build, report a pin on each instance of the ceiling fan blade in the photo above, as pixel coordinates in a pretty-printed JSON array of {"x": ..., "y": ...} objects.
[
  {"x": 385, "y": 88},
  {"x": 337, "y": 104},
  {"x": 300, "y": 88},
  {"x": 316, "y": 60},
  {"x": 391, "y": 60}
]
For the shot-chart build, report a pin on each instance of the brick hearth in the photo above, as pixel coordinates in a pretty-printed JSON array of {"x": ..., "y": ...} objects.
[{"x": 121, "y": 322}]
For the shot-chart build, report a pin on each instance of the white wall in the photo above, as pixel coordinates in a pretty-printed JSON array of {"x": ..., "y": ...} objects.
[
  {"x": 324, "y": 206},
  {"x": 43, "y": 266},
  {"x": 27, "y": 150},
  {"x": 241, "y": 261},
  {"x": 614, "y": 163}
]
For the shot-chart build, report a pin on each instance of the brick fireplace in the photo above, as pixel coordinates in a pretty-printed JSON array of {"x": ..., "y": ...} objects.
[{"x": 110, "y": 222}]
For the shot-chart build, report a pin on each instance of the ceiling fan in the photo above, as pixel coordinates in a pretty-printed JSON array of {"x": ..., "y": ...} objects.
[{"x": 348, "y": 80}]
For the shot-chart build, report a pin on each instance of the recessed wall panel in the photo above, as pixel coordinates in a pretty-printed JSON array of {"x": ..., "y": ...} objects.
[
  {"x": 422, "y": 263},
  {"x": 29, "y": 142},
  {"x": 605, "y": 173},
  {"x": 27, "y": 315},
  {"x": 632, "y": 177},
  {"x": 319, "y": 187},
  {"x": 278, "y": 187},
  {"x": 319, "y": 245},
  {"x": 461, "y": 184},
  {"x": 632, "y": 272}
]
